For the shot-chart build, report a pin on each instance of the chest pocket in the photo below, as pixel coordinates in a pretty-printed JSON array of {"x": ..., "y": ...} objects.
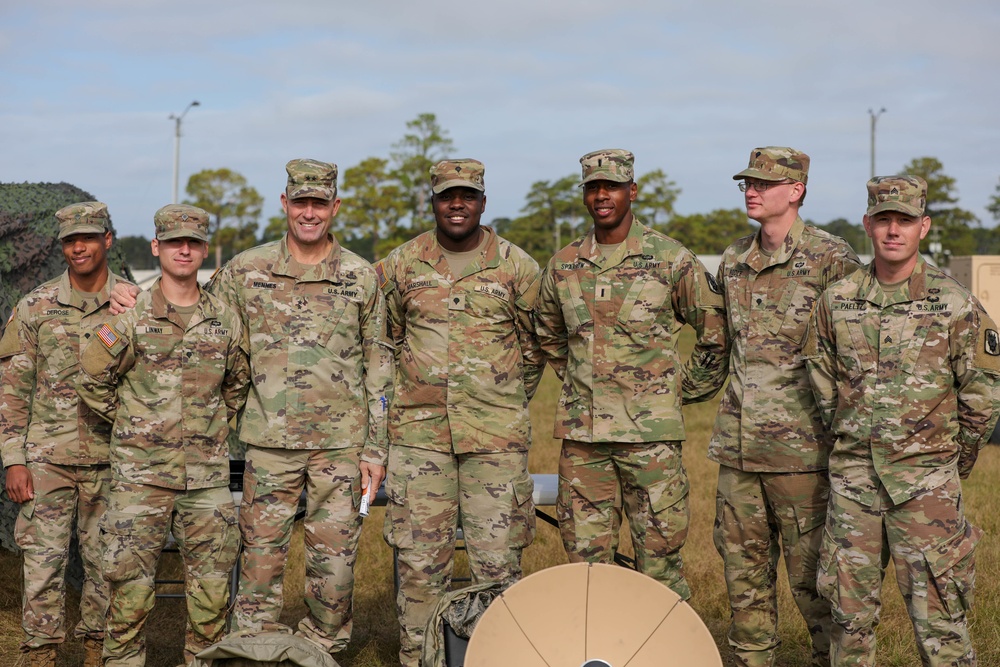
[
  {"x": 790, "y": 317},
  {"x": 339, "y": 311},
  {"x": 574, "y": 306},
  {"x": 857, "y": 355},
  {"x": 643, "y": 309},
  {"x": 927, "y": 345},
  {"x": 61, "y": 349},
  {"x": 490, "y": 303}
]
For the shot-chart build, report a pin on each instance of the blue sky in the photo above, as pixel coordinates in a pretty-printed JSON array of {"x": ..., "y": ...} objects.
[{"x": 525, "y": 86}]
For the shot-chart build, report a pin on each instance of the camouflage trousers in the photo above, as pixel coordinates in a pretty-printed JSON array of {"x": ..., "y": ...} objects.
[
  {"x": 43, "y": 530},
  {"x": 598, "y": 480},
  {"x": 430, "y": 495},
  {"x": 133, "y": 534},
  {"x": 759, "y": 516},
  {"x": 272, "y": 486},
  {"x": 933, "y": 550}
]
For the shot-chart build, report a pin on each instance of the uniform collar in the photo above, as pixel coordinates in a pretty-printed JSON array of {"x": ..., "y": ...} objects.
[
  {"x": 327, "y": 270},
  {"x": 758, "y": 261},
  {"x": 431, "y": 252},
  {"x": 590, "y": 250},
  {"x": 67, "y": 296},
  {"x": 161, "y": 309},
  {"x": 871, "y": 290}
]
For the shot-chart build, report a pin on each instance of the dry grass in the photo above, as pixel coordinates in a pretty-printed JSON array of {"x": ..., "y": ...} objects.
[{"x": 375, "y": 640}]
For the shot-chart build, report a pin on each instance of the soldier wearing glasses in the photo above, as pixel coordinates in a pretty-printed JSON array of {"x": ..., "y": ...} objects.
[{"x": 769, "y": 439}]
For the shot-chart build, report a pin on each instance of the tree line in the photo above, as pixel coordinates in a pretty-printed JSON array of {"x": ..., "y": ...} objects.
[{"x": 386, "y": 201}]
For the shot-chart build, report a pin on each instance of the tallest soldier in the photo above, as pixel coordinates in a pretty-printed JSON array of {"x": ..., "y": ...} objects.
[{"x": 769, "y": 440}]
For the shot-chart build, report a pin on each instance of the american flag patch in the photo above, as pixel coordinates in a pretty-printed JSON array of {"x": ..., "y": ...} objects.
[{"x": 107, "y": 336}]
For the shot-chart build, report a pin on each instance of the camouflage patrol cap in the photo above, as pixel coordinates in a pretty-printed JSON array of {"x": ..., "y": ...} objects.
[
  {"x": 906, "y": 194},
  {"x": 180, "y": 221},
  {"x": 465, "y": 172},
  {"x": 609, "y": 164},
  {"x": 88, "y": 217},
  {"x": 776, "y": 163},
  {"x": 311, "y": 178}
]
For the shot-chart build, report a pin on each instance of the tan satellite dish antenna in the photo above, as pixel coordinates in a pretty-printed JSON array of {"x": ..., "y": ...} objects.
[{"x": 587, "y": 615}]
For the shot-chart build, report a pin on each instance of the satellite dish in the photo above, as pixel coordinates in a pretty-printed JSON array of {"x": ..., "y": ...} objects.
[{"x": 590, "y": 615}]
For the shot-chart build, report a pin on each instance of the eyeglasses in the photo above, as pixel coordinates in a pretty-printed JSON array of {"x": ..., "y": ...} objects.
[{"x": 760, "y": 186}]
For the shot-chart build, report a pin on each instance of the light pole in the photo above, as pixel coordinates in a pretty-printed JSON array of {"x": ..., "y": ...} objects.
[
  {"x": 177, "y": 141},
  {"x": 869, "y": 250}
]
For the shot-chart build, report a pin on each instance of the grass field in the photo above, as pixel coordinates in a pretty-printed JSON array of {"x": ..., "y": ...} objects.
[{"x": 375, "y": 642}]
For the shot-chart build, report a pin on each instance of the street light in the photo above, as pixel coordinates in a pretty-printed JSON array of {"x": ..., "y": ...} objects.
[
  {"x": 177, "y": 141},
  {"x": 869, "y": 250}
]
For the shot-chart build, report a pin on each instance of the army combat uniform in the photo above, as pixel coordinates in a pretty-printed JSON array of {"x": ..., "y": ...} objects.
[
  {"x": 44, "y": 426},
  {"x": 769, "y": 440},
  {"x": 467, "y": 363},
  {"x": 907, "y": 379},
  {"x": 322, "y": 370},
  {"x": 609, "y": 327},
  {"x": 171, "y": 388}
]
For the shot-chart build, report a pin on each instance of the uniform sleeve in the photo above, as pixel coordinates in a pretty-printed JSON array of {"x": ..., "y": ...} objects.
[
  {"x": 395, "y": 317},
  {"x": 820, "y": 354},
  {"x": 550, "y": 327},
  {"x": 18, "y": 355},
  {"x": 975, "y": 354},
  {"x": 697, "y": 300},
  {"x": 105, "y": 360},
  {"x": 236, "y": 384},
  {"x": 842, "y": 263},
  {"x": 533, "y": 359},
  {"x": 224, "y": 285},
  {"x": 378, "y": 380}
]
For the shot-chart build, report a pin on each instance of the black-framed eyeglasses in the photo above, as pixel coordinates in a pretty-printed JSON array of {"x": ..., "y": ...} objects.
[{"x": 760, "y": 186}]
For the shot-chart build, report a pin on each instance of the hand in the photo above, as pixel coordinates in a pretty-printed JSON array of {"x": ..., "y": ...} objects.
[
  {"x": 123, "y": 298},
  {"x": 371, "y": 474},
  {"x": 20, "y": 488}
]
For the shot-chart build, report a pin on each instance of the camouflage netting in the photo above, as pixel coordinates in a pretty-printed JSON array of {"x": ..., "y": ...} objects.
[{"x": 30, "y": 254}]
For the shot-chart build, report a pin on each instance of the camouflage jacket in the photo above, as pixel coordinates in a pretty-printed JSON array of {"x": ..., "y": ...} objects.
[
  {"x": 610, "y": 328},
  {"x": 909, "y": 386},
  {"x": 467, "y": 359},
  {"x": 322, "y": 364},
  {"x": 171, "y": 391},
  {"x": 768, "y": 420},
  {"x": 41, "y": 416}
]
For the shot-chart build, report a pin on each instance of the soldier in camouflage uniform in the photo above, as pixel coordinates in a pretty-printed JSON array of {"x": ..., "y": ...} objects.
[
  {"x": 769, "y": 441},
  {"x": 609, "y": 311},
  {"x": 905, "y": 365},
  {"x": 171, "y": 375},
  {"x": 54, "y": 448},
  {"x": 459, "y": 301},
  {"x": 315, "y": 419}
]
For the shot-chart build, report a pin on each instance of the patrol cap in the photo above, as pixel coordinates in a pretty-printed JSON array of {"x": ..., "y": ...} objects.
[
  {"x": 180, "y": 221},
  {"x": 906, "y": 194},
  {"x": 609, "y": 164},
  {"x": 464, "y": 172},
  {"x": 88, "y": 217},
  {"x": 776, "y": 163},
  {"x": 311, "y": 178}
]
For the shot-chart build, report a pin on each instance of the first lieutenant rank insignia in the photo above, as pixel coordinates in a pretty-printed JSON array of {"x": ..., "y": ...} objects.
[{"x": 107, "y": 336}]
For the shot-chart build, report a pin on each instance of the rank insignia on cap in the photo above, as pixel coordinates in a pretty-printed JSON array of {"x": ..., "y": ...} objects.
[{"x": 107, "y": 336}]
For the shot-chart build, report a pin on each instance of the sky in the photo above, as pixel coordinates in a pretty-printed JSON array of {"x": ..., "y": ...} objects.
[{"x": 525, "y": 86}]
